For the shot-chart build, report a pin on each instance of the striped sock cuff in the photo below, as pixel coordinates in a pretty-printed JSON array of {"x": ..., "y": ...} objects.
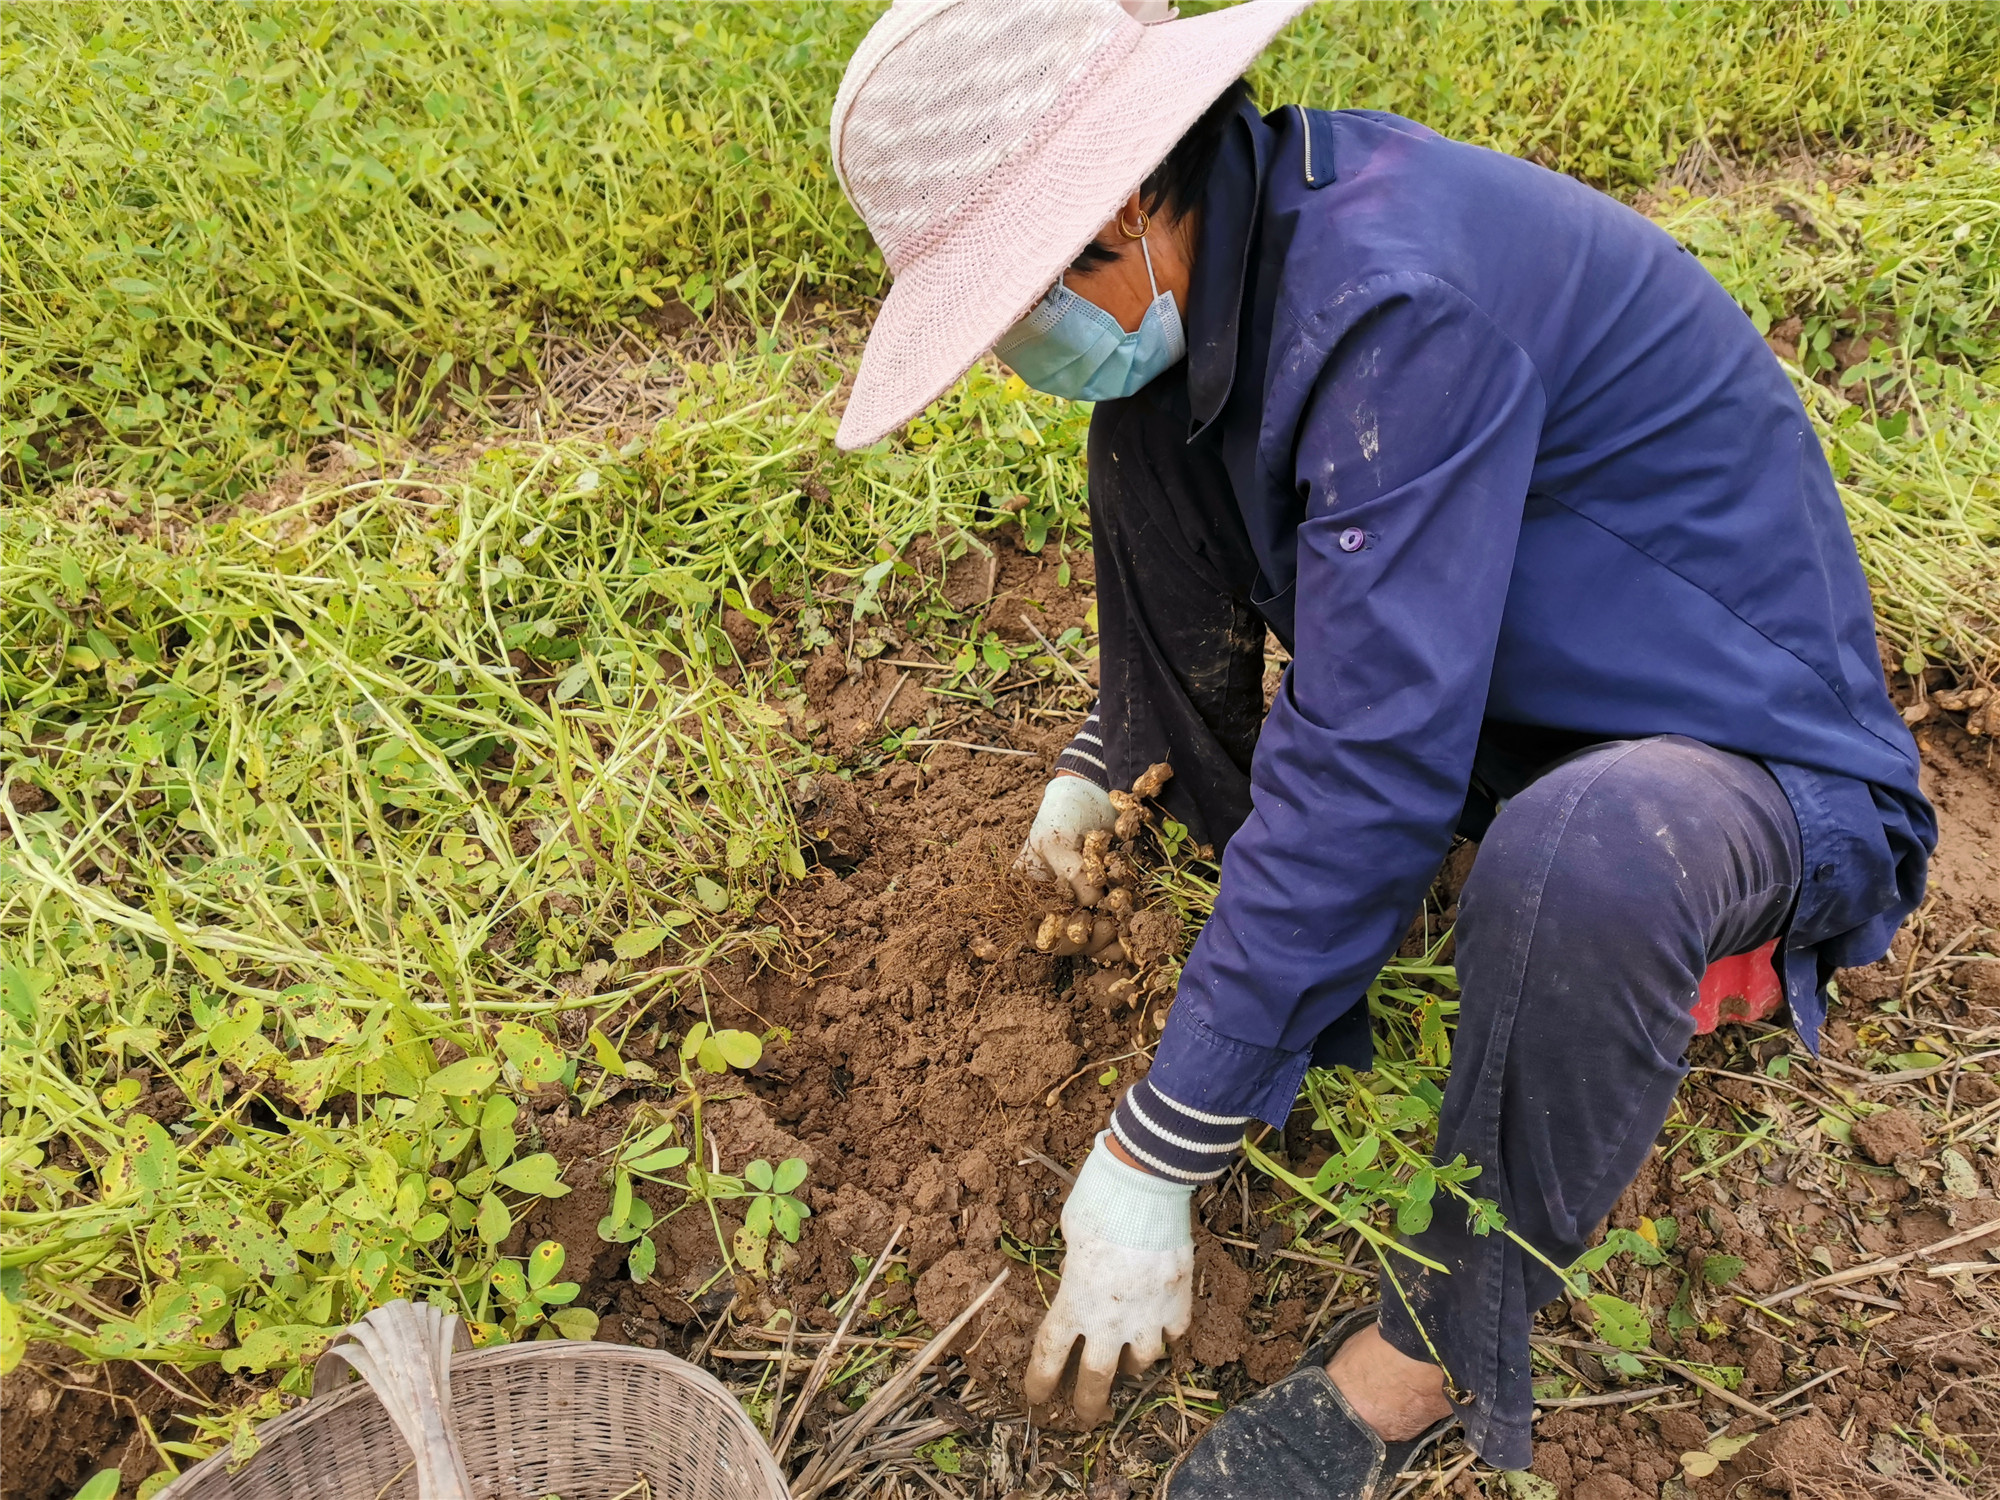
[
  {"x": 1085, "y": 753},
  {"x": 1172, "y": 1139}
]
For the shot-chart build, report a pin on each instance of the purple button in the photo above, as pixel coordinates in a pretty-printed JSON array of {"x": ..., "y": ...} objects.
[{"x": 1353, "y": 539}]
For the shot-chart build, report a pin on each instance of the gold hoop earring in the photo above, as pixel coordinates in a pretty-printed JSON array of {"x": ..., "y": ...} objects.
[{"x": 1145, "y": 222}]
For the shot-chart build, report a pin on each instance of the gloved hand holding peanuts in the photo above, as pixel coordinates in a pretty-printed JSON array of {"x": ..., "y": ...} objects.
[{"x": 1072, "y": 809}]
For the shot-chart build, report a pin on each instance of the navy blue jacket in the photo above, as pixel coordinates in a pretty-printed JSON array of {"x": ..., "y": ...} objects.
[{"x": 1516, "y": 470}]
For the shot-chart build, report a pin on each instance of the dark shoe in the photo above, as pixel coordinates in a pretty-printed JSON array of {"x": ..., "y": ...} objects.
[{"x": 1297, "y": 1439}]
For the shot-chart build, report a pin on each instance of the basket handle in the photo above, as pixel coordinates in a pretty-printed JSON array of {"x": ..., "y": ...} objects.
[{"x": 403, "y": 1350}]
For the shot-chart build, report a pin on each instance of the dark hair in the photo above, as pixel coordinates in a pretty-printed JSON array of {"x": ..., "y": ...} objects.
[{"x": 1175, "y": 186}]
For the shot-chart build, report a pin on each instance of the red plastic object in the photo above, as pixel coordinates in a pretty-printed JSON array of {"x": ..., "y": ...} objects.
[{"x": 1744, "y": 987}]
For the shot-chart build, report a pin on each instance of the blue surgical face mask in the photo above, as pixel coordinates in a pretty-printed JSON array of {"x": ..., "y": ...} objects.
[{"x": 1073, "y": 348}]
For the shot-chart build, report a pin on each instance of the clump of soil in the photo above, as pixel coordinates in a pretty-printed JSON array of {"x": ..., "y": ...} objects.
[
  {"x": 1892, "y": 1136},
  {"x": 942, "y": 1064}
]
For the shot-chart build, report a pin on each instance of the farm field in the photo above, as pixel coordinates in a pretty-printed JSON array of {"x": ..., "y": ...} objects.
[{"x": 482, "y": 773}]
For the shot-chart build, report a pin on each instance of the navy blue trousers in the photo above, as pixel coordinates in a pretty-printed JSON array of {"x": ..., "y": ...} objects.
[
  {"x": 1599, "y": 896},
  {"x": 1609, "y": 875}
]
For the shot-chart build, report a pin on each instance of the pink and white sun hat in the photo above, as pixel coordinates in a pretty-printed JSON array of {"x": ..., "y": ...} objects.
[{"x": 986, "y": 142}]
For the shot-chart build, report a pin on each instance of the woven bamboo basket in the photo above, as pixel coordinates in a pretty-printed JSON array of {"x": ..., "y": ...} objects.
[{"x": 427, "y": 1421}]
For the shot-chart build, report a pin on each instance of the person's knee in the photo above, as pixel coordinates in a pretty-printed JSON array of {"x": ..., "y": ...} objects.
[
  {"x": 1606, "y": 839},
  {"x": 1642, "y": 859}
]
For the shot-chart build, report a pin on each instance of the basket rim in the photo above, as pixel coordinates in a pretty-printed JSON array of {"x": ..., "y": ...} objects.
[{"x": 542, "y": 1351}]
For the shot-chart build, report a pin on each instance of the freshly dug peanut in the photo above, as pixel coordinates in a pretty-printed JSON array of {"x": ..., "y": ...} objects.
[
  {"x": 985, "y": 948},
  {"x": 1090, "y": 877},
  {"x": 1153, "y": 779},
  {"x": 1118, "y": 901},
  {"x": 1108, "y": 991},
  {"x": 1053, "y": 936}
]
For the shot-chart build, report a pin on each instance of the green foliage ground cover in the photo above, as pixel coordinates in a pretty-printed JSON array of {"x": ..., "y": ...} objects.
[
  {"x": 229, "y": 230},
  {"x": 319, "y": 790},
  {"x": 325, "y": 783},
  {"x": 308, "y": 798}
]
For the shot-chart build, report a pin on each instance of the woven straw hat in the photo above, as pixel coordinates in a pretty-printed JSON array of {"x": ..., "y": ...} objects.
[{"x": 986, "y": 142}]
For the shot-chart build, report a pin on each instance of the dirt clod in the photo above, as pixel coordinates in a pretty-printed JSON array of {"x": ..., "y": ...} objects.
[
  {"x": 1608, "y": 1486},
  {"x": 1223, "y": 1290},
  {"x": 1892, "y": 1136},
  {"x": 831, "y": 815}
]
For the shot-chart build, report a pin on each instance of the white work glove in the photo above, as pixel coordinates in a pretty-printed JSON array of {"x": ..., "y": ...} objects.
[
  {"x": 1127, "y": 1282},
  {"x": 1071, "y": 809}
]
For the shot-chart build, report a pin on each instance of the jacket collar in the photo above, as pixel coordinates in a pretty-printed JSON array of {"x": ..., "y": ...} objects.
[{"x": 1229, "y": 210}]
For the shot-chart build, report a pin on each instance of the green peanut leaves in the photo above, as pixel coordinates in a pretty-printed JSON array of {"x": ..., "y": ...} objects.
[{"x": 719, "y": 1051}]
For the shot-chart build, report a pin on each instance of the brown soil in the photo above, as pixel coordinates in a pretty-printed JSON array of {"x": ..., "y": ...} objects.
[
  {"x": 921, "y": 1078},
  {"x": 62, "y": 1420},
  {"x": 56, "y": 1430}
]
